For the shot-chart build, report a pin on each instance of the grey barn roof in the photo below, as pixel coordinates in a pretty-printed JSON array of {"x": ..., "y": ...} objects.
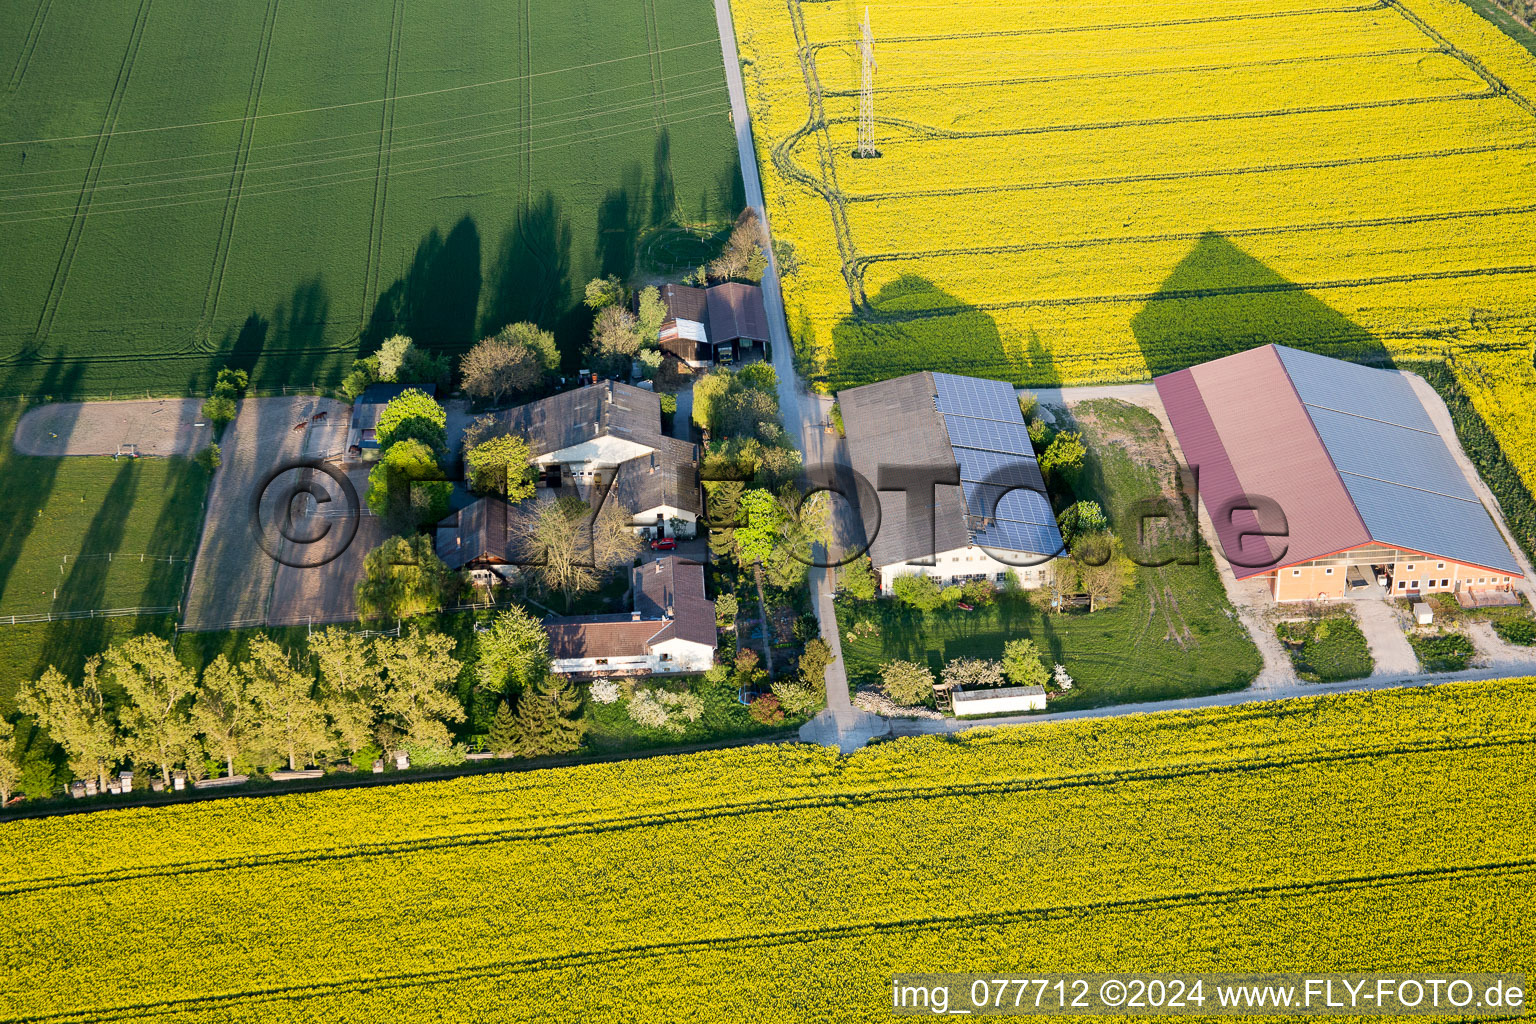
[
  {"x": 971, "y": 425},
  {"x": 571, "y": 417}
]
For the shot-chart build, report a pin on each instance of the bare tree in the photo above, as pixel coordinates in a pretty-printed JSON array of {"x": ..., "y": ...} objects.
[
  {"x": 571, "y": 550},
  {"x": 615, "y": 336},
  {"x": 746, "y": 239}
]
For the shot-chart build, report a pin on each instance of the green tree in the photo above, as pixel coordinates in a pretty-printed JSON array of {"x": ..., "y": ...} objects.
[
  {"x": 219, "y": 410},
  {"x": 513, "y": 653},
  {"x": 708, "y": 391},
  {"x": 392, "y": 356},
  {"x": 77, "y": 719},
  {"x": 1065, "y": 454},
  {"x": 918, "y": 590},
  {"x": 726, "y": 607},
  {"x": 413, "y": 414},
  {"x": 797, "y": 696},
  {"x": 407, "y": 487},
  {"x": 502, "y": 739},
  {"x": 1099, "y": 568},
  {"x": 1080, "y": 518},
  {"x": 419, "y": 696},
  {"x": 500, "y": 465},
  {"x": 403, "y": 577},
  {"x": 10, "y": 766},
  {"x": 223, "y": 713},
  {"x": 292, "y": 720},
  {"x": 764, "y": 519},
  {"x": 514, "y": 359},
  {"x": 1023, "y": 664},
  {"x": 364, "y": 372},
  {"x": 157, "y": 718},
  {"x": 858, "y": 579},
  {"x": 351, "y": 690},
  {"x": 231, "y": 382},
  {"x": 814, "y": 661},
  {"x": 210, "y": 458},
  {"x": 906, "y": 682},
  {"x": 603, "y": 292},
  {"x": 653, "y": 313},
  {"x": 546, "y": 718},
  {"x": 615, "y": 338}
]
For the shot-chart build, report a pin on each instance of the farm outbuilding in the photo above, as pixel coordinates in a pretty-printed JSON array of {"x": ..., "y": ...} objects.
[
  {"x": 999, "y": 700},
  {"x": 1316, "y": 472},
  {"x": 712, "y": 325}
]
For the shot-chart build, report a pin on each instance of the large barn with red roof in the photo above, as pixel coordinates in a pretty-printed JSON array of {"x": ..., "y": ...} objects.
[{"x": 1317, "y": 471}]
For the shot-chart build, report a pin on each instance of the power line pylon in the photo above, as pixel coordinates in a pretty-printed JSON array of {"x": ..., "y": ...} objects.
[{"x": 867, "y": 94}]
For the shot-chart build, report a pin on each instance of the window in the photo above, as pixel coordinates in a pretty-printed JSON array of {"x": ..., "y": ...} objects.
[
  {"x": 1328, "y": 571},
  {"x": 1295, "y": 572},
  {"x": 1410, "y": 567},
  {"x": 1414, "y": 585},
  {"x": 1445, "y": 583},
  {"x": 1481, "y": 580},
  {"x": 602, "y": 661},
  {"x": 1002, "y": 577},
  {"x": 1402, "y": 584},
  {"x": 1440, "y": 565},
  {"x": 666, "y": 657}
]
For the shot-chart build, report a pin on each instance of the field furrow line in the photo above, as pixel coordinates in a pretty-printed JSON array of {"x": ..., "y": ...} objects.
[
  {"x": 1215, "y": 172},
  {"x": 1192, "y": 898},
  {"x": 813, "y": 801},
  {"x": 1187, "y": 69},
  {"x": 1191, "y": 236},
  {"x": 375, "y": 252},
  {"x": 88, "y": 187},
  {"x": 1494, "y": 82},
  {"x": 225, "y": 239},
  {"x": 1213, "y": 19},
  {"x": 28, "y": 46}
]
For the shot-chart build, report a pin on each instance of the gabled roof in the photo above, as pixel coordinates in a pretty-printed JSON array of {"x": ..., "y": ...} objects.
[
  {"x": 685, "y": 302},
  {"x": 669, "y": 605},
  {"x": 1347, "y": 454},
  {"x": 969, "y": 425},
  {"x": 737, "y": 311},
  {"x": 572, "y": 417},
  {"x": 667, "y": 477},
  {"x": 480, "y": 530}
]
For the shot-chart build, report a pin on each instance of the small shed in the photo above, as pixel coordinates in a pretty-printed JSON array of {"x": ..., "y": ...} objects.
[
  {"x": 687, "y": 340},
  {"x": 998, "y": 700},
  {"x": 1423, "y": 614}
]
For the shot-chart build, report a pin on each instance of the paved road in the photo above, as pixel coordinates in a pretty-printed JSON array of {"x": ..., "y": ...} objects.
[{"x": 841, "y": 724}]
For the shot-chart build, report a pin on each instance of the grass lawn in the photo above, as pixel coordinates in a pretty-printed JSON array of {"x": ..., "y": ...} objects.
[
  {"x": 1327, "y": 650},
  {"x": 305, "y": 178},
  {"x": 1174, "y": 634}
]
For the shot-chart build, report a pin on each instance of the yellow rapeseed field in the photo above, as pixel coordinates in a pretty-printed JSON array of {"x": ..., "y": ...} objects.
[
  {"x": 1073, "y": 193},
  {"x": 1370, "y": 831}
]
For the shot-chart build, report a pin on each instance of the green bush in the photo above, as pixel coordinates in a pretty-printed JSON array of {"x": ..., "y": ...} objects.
[
  {"x": 1327, "y": 650},
  {"x": 918, "y": 590},
  {"x": 1516, "y": 631},
  {"x": 1442, "y": 652},
  {"x": 210, "y": 458},
  {"x": 669, "y": 405}
]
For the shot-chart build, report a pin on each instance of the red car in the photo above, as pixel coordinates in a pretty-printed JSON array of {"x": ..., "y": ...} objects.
[{"x": 664, "y": 544}]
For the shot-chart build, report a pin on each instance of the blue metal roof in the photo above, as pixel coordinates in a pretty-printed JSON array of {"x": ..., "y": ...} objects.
[
  {"x": 977, "y": 398},
  {"x": 1399, "y": 472}
]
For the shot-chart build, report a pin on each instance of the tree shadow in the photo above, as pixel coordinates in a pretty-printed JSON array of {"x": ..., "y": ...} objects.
[
  {"x": 531, "y": 277},
  {"x": 437, "y": 300},
  {"x": 922, "y": 324},
  {"x": 85, "y": 585},
  {"x": 1220, "y": 300},
  {"x": 619, "y": 220},
  {"x": 663, "y": 185},
  {"x": 31, "y": 479}
]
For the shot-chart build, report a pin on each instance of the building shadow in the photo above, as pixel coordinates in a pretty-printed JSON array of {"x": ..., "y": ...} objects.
[
  {"x": 916, "y": 326},
  {"x": 1220, "y": 300}
]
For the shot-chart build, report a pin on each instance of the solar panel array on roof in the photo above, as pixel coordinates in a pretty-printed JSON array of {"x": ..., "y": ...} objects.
[
  {"x": 1005, "y": 498},
  {"x": 1398, "y": 470},
  {"x": 976, "y": 398}
]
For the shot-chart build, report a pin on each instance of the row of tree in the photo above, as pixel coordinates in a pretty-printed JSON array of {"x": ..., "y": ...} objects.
[
  {"x": 911, "y": 683},
  {"x": 351, "y": 697}
]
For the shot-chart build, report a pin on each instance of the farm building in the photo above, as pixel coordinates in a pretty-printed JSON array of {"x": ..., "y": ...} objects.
[
  {"x": 998, "y": 700},
  {"x": 605, "y": 434},
  {"x": 990, "y": 512},
  {"x": 1325, "y": 477},
  {"x": 478, "y": 537},
  {"x": 672, "y": 628},
  {"x": 711, "y": 325},
  {"x": 362, "y": 442}
]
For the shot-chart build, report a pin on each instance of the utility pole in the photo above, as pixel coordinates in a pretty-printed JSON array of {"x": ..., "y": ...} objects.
[{"x": 867, "y": 94}]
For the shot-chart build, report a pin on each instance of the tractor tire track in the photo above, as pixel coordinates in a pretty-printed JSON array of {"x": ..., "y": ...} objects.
[
  {"x": 1191, "y": 898},
  {"x": 1494, "y": 82},
  {"x": 93, "y": 173},
  {"x": 373, "y": 268},
  {"x": 226, "y": 236},
  {"x": 525, "y": 99},
  {"x": 653, "y": 60},
  {"x": 28, "y": 47},
  {"x": 810, "y": 801},
  {"x": 1217, "y": 172}
]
